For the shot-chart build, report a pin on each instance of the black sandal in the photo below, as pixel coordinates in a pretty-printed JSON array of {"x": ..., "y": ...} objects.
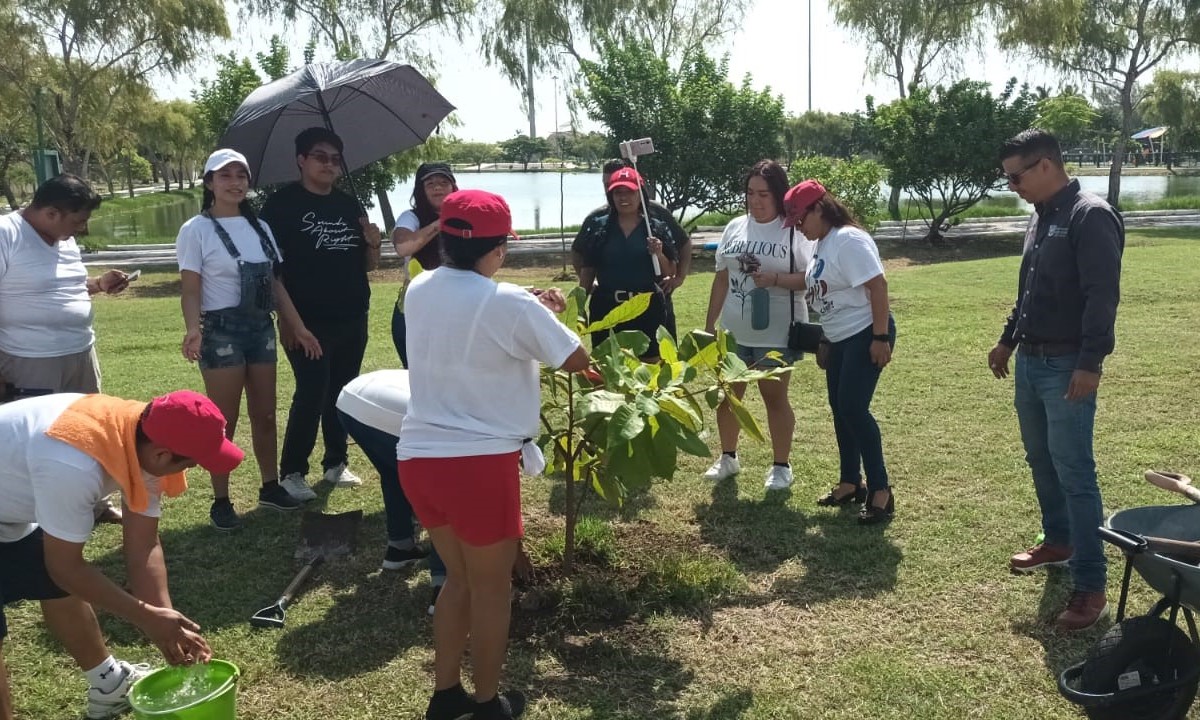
[
  {"x": 872, "y": 514},
  {"x": 833, "y": 499}
]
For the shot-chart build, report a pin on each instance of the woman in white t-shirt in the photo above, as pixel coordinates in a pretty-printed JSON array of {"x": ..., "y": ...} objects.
[
  {"x": 846, "y": 285},
  {"x": 416, "y": 236},
  {"x": 760, "y": 271},
  {"x": 474, "y": 401},
  {"x": 228, "y": 266}
]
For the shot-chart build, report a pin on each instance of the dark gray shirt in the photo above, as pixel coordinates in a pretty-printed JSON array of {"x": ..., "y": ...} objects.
[{"x": 1070, "y": 280}]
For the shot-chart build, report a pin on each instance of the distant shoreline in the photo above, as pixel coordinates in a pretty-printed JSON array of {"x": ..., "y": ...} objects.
[{"x": 1083, "y": 170}]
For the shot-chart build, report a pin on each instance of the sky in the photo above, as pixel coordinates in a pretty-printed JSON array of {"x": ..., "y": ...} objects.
[{"x": 771, "y": 45}]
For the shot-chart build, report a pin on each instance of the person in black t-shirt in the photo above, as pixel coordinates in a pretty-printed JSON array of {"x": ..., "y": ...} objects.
[
  {"x": 328, "y": 247},
  {"x": 675, "y": 234}
]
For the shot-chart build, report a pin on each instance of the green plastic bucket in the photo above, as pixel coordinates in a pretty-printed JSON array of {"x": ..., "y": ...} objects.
[{"x": 203, "y": 692}]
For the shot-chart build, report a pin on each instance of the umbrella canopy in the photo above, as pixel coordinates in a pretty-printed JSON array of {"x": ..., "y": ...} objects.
[{"x": 377, "y": 107}]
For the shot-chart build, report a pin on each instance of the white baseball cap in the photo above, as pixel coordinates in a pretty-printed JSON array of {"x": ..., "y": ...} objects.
[{"x": 223, "y": 157}]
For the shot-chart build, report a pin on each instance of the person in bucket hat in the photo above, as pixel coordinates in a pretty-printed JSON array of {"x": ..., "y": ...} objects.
[
  {"x": 58, "y": 455},
  {"x": 474, "y": 350}
]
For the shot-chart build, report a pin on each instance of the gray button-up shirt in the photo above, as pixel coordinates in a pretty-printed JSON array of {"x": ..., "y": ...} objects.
[{"x": 1070, "y": 280}]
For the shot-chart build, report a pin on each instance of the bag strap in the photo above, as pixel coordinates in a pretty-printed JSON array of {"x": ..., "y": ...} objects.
[{"x": 792, "y": 270}]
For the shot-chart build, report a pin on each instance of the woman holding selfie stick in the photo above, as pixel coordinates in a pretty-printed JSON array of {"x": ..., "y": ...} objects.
[
  {"x": 617, "y": 259},
  {"x": 229, "y": 267}
]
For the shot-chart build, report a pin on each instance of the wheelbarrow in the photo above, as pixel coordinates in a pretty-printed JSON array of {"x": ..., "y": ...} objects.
[
  {"x": 322, "y": 537},
  {"x": 1147, "y": 667}
]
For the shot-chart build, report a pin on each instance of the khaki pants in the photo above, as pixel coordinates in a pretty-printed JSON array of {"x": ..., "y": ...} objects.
[{"x": 79, "y": 372}]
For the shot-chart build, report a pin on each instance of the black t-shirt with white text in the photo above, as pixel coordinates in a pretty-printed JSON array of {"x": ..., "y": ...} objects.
[{"x": 324, "y": 252}]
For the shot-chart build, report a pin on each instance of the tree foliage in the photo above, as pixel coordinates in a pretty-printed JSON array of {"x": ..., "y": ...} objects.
[
  {"x": 1174, "y": 100},
  {"x": 219, "y": 98},
  {"x": 524, "y": 149},
  {"x": 855, "y": 182},
  {"x": 821, "y": 133},
  {"x": 1068, "y": 115},
  {"x": 942, "y": 144},
  {"x": 1111, "y": 43},
  {"x": 707, "y": 131}
]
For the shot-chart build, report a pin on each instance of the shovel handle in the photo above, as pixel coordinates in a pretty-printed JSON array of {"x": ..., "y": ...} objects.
[
  {"x": 1181, "y": 548},
  {"x": 290, "y": 591}
]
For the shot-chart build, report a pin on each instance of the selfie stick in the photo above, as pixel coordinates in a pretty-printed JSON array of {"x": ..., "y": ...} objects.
[{"x": 632, "y": 157}]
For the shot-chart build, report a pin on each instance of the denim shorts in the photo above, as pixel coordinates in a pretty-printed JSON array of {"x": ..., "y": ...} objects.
[
  {"x": 757, "y": 356},
  {"x": 229, "y": 339}
]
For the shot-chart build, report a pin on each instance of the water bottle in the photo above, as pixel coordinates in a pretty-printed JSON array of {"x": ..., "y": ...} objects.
[{"x": 760, "y": 308}]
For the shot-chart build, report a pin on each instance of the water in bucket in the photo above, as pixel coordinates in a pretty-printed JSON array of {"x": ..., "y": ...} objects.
[{"x": 204, "y": 691}]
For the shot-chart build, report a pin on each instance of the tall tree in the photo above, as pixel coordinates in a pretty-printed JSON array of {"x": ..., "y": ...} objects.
[
  {"x": 86, "y": 51},
  {"x": 1069, "y": 116},
  {"x": 707, "y": 131},
  {"x": 1174, "y": 101},
  {"x": 1111, "y": 43},
  {"x": 909, "y": 40},
  {"x": 819, "y": 133},
  {"x": 218, "y": 99}
]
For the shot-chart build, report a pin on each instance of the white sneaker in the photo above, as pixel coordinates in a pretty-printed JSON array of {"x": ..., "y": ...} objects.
[
  {"x": 341, "y": 476},
  {"x": 104, "y": 705},
  {"x": 724, "y": 467},
  {"x": 778, "y": 478},
  {"x": 297, "y": 487}
]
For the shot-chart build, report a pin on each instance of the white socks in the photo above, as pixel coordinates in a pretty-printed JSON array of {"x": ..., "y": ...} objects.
[{"x": 106, "y": 676}]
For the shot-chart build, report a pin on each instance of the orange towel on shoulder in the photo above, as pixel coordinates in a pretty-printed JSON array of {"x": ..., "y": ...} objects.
[{"x": 105, "y": 428}]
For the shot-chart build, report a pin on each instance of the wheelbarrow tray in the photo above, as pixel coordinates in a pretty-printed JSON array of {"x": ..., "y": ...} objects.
[{"x": 1173, "y": 522}]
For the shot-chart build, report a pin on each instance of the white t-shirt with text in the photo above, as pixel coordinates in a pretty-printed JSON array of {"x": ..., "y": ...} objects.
[
  {"x": 474, "y": 350},
  {"x": 46, "y": 482},
  {"x": 843, "y": 261},
  {"x": 748, "y": 245},
  {"x": 199, "y": 249},
  {"x": 45, "y": 310},
  {"x": 377, "y": 399}
]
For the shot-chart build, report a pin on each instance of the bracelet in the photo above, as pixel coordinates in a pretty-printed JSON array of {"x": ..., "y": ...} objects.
[{"x": 884, "y": 337}]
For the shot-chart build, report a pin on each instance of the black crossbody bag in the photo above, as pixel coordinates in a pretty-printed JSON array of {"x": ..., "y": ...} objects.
[{"x": 802, "y": 336}]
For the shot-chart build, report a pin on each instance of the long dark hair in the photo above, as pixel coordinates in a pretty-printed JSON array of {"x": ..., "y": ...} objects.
[
  {"x": 834, "y": 212},
  {"x": 244, "y": 207},
  {"x": 426, "y": 212},
  {"x": 776, "y": 179}
]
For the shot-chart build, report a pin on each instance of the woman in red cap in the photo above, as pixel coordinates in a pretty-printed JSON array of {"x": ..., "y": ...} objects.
[
  {"x": 474, "y": 401},
  {"x": 846, "y": 285},
  {"x": 617, "y": 259}
]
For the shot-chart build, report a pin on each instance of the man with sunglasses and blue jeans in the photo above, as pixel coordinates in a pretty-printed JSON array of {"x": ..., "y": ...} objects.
[
  {"x": 1061, "y": 327},
  {"x": 328, "y": 246}
]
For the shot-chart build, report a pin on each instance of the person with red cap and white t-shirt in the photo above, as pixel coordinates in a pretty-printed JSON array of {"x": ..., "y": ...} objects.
[
  {"x": 61, "y": 453},
  {"x": 474, "y": 350}
]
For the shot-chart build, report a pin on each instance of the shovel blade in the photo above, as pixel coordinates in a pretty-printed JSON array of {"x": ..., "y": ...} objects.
[
  {"x": 269, "y": 617},
  {"x": 329, "y": 536}
]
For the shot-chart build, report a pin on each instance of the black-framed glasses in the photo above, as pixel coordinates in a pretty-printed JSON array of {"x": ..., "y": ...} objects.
[
  {"x": 325, "y": 159},
  {"x": 1014, "y": 179}
]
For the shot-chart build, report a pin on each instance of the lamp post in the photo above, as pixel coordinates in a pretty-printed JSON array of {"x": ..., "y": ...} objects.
[
  {"x": 562, "y": 233},
  {"x": 810, "y": 55}
]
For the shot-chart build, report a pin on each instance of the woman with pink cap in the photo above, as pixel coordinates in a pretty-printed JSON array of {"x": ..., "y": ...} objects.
[
  {"x": 846, "y": 285},
  {"x": 229, "y": 272}
]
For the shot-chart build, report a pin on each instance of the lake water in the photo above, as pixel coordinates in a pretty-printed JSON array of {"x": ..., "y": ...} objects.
[{"x": 536, "y": 201}]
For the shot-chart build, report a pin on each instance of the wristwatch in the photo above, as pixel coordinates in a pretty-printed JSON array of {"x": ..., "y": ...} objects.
[{"x": 882, "y": 338}]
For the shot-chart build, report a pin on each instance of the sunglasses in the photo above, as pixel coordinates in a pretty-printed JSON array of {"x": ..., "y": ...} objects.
[
  {"x": 1014, "y": 179},
  {"x": 325, "y": 159}
]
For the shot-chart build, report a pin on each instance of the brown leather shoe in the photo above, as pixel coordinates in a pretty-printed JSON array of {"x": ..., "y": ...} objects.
[
  {"x": 1084, "y": 610},
  {"x": 1040, "y": 556}
]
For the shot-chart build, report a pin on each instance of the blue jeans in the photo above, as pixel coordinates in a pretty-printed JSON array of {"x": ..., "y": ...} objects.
[
  {"x": 380, "y": 449},
  {"x": 1057, "y": 435},
  {"x": 850, "y": 379}
]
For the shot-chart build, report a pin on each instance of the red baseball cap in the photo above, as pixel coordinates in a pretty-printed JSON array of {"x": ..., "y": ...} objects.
[
  {"x": 189, "y": 424},
  {"x": 799, "y": 200},
  {"x": 625, "y": 178},
  {"x": 476, "y": 214}
]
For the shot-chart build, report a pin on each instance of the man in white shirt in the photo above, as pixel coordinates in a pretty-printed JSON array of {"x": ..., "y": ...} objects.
[
  {"x": 59, "y": 454},
  {"x": 46, "y": 339}
]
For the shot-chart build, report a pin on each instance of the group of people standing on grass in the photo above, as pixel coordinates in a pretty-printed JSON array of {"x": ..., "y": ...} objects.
[{"x": 449, "y": 436}]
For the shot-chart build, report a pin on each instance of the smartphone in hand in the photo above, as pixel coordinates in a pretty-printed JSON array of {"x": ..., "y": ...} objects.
[{"x": 133, "y": 275}]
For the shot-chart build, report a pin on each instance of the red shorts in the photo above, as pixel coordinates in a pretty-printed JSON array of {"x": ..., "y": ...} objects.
[{"x": 478, "y": 496}]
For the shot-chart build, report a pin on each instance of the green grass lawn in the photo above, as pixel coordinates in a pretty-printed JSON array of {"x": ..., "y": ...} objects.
[{"x": 702, "y": 602}]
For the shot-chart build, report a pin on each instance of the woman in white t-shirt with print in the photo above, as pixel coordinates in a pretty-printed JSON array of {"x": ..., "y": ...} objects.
[
  {"x": 228, "y": 267},
  {"x": 756, "y": 293},
  {"x": 474, "y": 401},
  {"x": 846, "y": 285}
]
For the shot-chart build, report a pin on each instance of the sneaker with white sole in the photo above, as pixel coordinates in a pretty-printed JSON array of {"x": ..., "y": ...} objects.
[
  {"x": 298, "y": 487},
  {"x": 724, "y": 467},
  {"x": 340, "y": 476},
  {"x": 396, "y": 559},
  {"x": 437, "y": 590},
  {"x": 779, "y": 477},
  {"x": 103, "y": 705}
]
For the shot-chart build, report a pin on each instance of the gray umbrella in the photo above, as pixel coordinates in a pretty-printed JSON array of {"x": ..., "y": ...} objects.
[{"x": 377, "y": 107}]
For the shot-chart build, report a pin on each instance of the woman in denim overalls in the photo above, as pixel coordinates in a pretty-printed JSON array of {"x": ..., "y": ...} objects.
[{"x": 230, "y": 293}]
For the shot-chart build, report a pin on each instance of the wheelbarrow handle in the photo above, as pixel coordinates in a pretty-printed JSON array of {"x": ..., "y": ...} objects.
[
  {"x": 290, "y": 591},
  {"x": 1179, "y": 548},
  {"x": 1128, "y": 542}
]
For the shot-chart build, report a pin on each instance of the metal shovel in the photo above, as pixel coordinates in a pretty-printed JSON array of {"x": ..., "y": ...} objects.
[{"x": 322, "y": 537}]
